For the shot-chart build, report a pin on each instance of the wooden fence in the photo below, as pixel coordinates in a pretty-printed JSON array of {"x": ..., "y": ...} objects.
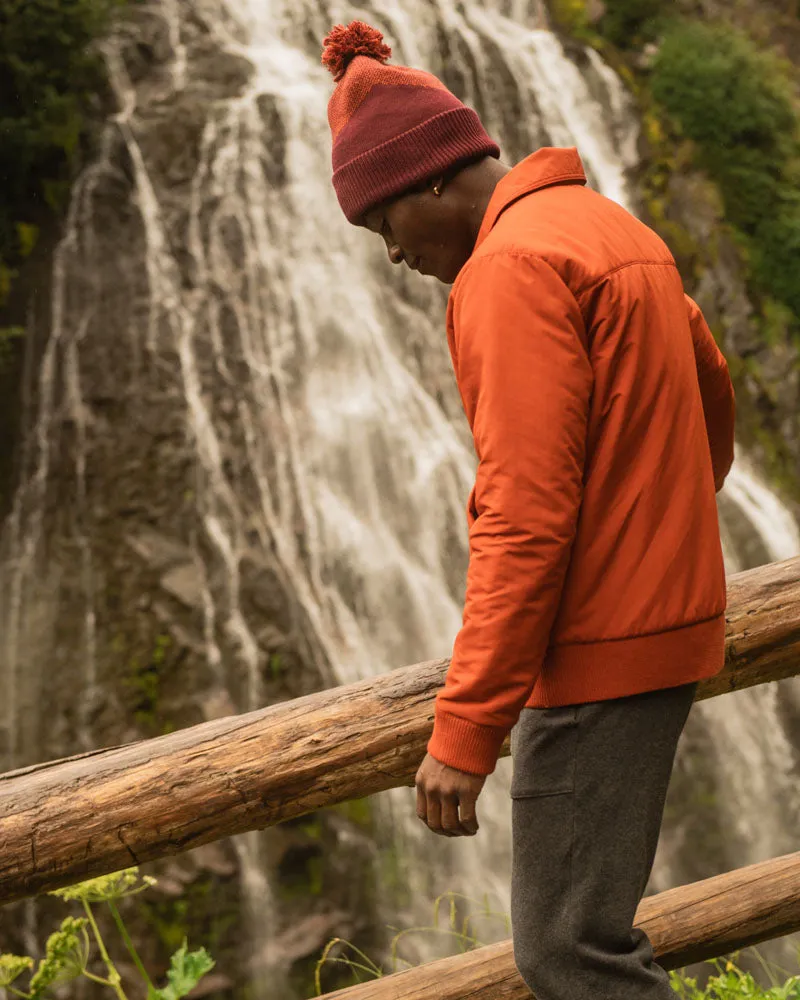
[
  {"x": 694, "y": 922},
  {"x": 95, "y": 813}
]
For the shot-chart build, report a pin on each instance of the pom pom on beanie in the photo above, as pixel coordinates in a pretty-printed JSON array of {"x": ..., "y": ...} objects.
[{"x": 343, "y": 44}]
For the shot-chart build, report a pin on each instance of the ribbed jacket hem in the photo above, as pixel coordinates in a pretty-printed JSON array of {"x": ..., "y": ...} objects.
[
  {"x": 583, "y": 672},
  {"x": 597, "y": 671},
  {"x": 387, "y": 170}
]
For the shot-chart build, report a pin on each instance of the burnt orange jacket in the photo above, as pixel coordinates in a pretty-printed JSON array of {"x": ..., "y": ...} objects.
[{"x": 602, "y": 413}]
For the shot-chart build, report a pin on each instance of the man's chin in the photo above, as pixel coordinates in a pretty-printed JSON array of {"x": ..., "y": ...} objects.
[
  {"x": 446, "y": 279},
  {"x": 446, "y": 273}
]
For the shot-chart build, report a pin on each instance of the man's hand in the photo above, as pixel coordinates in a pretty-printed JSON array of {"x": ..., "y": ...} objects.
[{"x": 441, "y": 792}]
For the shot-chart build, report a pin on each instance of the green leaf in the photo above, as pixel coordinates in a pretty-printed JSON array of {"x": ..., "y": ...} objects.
[{"x": 185, "y": 972}]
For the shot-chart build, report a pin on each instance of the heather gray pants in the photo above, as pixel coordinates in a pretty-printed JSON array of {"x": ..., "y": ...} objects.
[{"x": 588, "y": 789}]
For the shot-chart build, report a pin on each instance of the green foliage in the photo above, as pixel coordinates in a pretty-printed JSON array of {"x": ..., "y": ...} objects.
[
  {"x": 775, "y": 251},
  {"x": 724, "y": 91},
  {"x": 8, "y": 334},
  {"x": 12, "y": 967},
  {"x": 628, "y": 23},
  {"x": 460, "y": 931},
  {"x": 776, "y": 323},
  {"x": 735, "y": 104},
  {"x": 571, "y": 15},
  {"x": 27, "y": 235},
  {"x": 68, "y": 951},
  {"x": 144, "y": 684},
  {"x": 732, "y": 983},
  {"x": 48, "y": 77},
  {"x": 106, "y": 888},
  {"x": 169, "y": 920},
  {"x": 276, "y": 666},
  {"x": 185, "y": 972},
  {"x": 358, "y": 811},
  {"x": 66, "y": 955}
]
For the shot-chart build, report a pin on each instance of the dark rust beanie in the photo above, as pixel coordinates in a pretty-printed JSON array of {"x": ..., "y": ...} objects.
[{"x": 393, "y": 127}]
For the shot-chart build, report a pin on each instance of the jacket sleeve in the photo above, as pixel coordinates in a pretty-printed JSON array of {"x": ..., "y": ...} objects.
[
  {"x": 716, "y": 390},
  {"x": 525, "y": 381}
]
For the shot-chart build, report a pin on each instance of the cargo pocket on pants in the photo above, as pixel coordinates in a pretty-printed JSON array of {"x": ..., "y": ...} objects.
[{"x": 544, "y": 746}]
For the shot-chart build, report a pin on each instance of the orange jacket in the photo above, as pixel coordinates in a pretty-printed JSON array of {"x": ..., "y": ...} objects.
[{"x": 602, "y": 413}]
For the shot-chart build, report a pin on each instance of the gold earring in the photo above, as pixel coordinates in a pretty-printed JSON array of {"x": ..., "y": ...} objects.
[{"x": 437, "y": 190}]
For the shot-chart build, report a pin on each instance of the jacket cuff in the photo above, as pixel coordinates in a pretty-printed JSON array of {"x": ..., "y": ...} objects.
[{"x": 465, "y": 745}]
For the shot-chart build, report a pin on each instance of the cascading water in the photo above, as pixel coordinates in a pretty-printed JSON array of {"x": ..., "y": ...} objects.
[
  {"x": 741, "y": 741},
  {"x": 239, "y": 398}
]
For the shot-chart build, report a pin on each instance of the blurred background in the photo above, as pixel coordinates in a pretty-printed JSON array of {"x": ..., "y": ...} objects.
[{"x": 233, "y": 461}]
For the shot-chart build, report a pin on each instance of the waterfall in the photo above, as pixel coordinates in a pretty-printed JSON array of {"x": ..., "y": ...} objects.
[
  {"x": 244, "y": 413},
  {"x": 741, "y": 740}
]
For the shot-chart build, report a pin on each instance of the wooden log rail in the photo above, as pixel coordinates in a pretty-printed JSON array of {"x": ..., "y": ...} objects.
[
  {"x": 694, "y": 922},
  {"x": 67, "y": 820}
]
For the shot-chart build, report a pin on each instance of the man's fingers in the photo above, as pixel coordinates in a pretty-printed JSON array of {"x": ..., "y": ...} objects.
[
  {"x": 422, "y": 804},
  {"x": 469, "y": 818},
  {"x": 450, "y": 821},
  {"x": 441, "y": 795},
  {"x": 434, "y": 813},
  {"x": 429, "y": 810}
]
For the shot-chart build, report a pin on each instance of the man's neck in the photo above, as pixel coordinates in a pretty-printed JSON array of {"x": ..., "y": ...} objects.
[{"x": 477, "y": 184}]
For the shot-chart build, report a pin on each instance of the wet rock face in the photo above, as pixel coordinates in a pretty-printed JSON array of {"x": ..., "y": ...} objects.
[
  {"x": 765, "y": 366},
  {"x": 119, "y": 458},
  {"x": 136, "y": 597}
]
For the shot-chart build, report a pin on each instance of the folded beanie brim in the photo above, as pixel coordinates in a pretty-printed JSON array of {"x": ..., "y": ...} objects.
[{"x": 400, "y": 163}]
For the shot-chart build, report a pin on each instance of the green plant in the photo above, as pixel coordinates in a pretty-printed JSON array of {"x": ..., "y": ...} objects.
[
  {"x": 463, "y": 935},
  {"x": 625, "y": 24},
  {"x": 8, "y": 335},
  {"x": 726, "y": 93},
  {"x": 735, "y": 104},
  {"x": 144, "y": 683},
  {"x": 68, "y": 951},
  {"x": 730, "y": 982},
  {"x": 733, "y": 983},
  {"x": 49, "y": 76},
  {"x": 571, "y": 15},
  {"x": 628, "y": 23},
  {"x": 276, "y": 666}
]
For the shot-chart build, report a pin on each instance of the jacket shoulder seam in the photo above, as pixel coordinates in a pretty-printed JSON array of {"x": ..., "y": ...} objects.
[
  {"x": 646, "y": 261},
  {"x": 513, "y": 251}
]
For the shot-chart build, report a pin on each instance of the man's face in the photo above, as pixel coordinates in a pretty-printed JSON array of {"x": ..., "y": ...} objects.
[{"x": 424, "y": 231}]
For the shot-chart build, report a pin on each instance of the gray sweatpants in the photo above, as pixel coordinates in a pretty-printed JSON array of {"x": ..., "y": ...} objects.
[{"x": 588, "y": 790}]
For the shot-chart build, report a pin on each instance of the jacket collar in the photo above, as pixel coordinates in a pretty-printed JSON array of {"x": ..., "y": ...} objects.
[{"x": 547, "y": 166}]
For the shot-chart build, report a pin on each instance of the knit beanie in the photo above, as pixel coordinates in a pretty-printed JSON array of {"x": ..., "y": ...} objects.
[{"x": 393, "y": 127}]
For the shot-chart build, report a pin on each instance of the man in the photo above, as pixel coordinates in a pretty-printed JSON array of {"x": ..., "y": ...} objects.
[{"x": 602, "y": 414}]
